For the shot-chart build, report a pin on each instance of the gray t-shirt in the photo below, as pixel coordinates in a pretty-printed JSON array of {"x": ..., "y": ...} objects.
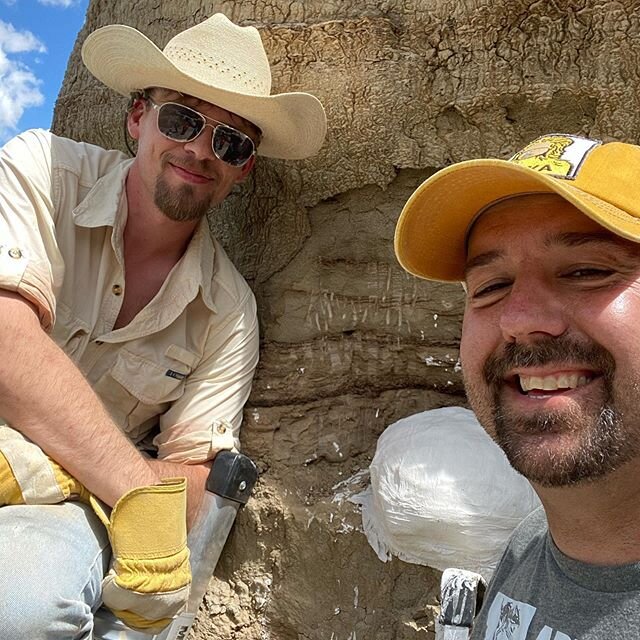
[{"x": 538, "y": 593}]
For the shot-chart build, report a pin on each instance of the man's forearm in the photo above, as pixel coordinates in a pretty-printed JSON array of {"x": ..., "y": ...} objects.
[{"x": 44, "y": 396}]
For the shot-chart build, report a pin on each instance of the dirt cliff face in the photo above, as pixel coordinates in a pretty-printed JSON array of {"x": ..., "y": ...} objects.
[{"x": 350, "y": 342}]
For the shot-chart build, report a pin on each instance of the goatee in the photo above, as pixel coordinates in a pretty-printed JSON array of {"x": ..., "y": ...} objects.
[{"x": 180, "y": 203}]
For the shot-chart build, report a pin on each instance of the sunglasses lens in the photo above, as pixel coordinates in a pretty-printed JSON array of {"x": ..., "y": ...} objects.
[
  {"x": 232, "y": 146},
  {"x": 178, "y": 122}
]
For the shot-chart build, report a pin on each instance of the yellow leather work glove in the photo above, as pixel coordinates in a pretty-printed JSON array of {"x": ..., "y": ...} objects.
[
  {"x": 148, "y": 583},
  {"x": 29, "y": 476}
]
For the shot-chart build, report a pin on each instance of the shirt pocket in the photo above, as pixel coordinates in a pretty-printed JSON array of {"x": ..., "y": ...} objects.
[{"x": 137, "y": 389}]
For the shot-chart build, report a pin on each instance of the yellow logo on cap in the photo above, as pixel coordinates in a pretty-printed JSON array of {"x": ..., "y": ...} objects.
[
  {"x": 559, "y": 155},
  {"x": 545, "y": 155}
]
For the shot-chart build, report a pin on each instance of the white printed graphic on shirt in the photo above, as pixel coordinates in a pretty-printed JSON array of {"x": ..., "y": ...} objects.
[{"x": 508, "y": 619}]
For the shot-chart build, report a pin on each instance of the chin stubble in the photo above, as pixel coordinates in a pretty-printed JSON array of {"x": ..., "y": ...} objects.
[{"x": 601, "y": 442}]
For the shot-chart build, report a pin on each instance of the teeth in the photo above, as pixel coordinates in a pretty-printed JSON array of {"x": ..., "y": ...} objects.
[{"x": 553, "y": 383}]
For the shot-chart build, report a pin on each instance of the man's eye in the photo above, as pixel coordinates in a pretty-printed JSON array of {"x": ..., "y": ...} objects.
[
  {"x": 585, "y": 273},
  {"x": 488, "y": 289}
]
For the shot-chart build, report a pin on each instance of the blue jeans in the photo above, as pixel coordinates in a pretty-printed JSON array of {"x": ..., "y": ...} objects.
[{"x": 52, "y": 561}]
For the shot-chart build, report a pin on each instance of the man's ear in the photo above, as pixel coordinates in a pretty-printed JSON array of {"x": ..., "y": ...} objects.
[
  {"x": 133, "y": 118},
  {"x": 246, "y": 168}
]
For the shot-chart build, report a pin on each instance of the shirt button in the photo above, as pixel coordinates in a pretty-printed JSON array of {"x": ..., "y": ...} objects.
[
  {"x": 117, "y": 290},
  {"x": 221, "y": 429},
  {"x": 15, "y": 253}
]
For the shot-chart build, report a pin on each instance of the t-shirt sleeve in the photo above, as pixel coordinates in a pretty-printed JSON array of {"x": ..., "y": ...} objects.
[
  {"x": 30, "y": 260},
  {"x": 207, "y": 417}
]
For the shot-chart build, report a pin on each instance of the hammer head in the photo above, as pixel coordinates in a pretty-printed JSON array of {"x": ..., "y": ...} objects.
[{"x": 461, "y": 594}]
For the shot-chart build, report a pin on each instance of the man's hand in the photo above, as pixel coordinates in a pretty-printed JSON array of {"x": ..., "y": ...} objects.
[
  {"x": 150, "y": 575},
  {"x": 148, "y": 583}
]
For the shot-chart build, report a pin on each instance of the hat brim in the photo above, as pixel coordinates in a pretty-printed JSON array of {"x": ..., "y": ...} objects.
[
  {"x": 431, "y": 234},
  {"x": 293, "y": 125}
]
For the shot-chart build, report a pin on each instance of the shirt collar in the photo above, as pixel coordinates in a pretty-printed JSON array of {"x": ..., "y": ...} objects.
[
  {"x": 106, "y": 203},
  {"x": 103, "y": 202},
  {"x": 198, "y": 259}
]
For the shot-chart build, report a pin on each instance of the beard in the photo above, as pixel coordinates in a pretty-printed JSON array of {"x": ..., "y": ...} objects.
[
  {"x": 590, "y": 439},
  {"x": 180, "y": 203}
]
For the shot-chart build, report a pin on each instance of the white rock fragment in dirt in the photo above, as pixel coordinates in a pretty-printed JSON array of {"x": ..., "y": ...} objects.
[
  {"x": 346, "y": 488},
  {"x": 261, "y": 591},
  {"x": 345, "y": 528},
  {"x": 313, "y": 458}
]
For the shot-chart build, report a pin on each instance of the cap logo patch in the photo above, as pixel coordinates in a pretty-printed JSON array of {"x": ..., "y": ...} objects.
[{"x": 559, "y": 155}]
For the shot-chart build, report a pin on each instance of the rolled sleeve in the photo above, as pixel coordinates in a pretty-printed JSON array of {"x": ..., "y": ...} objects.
[
  {"x": 207, "y": 417},
  {"x": 30, "y": 260}
]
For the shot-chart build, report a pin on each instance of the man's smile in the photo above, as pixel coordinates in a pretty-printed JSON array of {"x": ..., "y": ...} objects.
[
  {"x": 535, "y": 382},
  {"x": 190, "y": 175}
]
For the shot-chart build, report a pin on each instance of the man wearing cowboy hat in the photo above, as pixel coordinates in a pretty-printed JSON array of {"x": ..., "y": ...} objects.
[
  {"x": 121, "y": 315},
  {"x": 550, "y": 262}
]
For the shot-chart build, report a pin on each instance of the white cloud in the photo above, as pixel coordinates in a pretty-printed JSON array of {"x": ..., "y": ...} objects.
[
  {"x": 57, "y": 3},
  {"x": 14, "y": 41},
  {"x": 19, "y": 86},
  {"x": 65, "y": 4}
]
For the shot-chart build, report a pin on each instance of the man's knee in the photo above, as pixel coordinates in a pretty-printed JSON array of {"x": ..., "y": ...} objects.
[
  {"x": 52, "y": 559},
  {"x": 33, "y": 613}
]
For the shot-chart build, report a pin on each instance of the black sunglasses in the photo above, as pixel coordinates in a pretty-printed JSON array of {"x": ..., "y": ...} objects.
[{"x": 183, "y": 124}]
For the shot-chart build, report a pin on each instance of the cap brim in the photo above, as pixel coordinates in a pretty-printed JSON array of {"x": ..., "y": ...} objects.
[
  {"x": 293, "y": 124},
  {"x": 431, "y": 234}
]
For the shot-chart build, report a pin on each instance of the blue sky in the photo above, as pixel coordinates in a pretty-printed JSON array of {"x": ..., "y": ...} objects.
[{"x": 36, "y": 38}]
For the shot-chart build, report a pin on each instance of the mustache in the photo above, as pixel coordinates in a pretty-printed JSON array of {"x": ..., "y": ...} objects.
[{"x": 562, "y": 351}]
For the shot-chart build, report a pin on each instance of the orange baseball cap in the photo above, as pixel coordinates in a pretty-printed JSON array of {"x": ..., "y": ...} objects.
[{"x": 601, "y": 180}]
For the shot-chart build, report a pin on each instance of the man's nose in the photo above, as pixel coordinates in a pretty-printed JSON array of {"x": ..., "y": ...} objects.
[
  {"x": 530, "y": 311},
  {"x": 201, "y": 146}
]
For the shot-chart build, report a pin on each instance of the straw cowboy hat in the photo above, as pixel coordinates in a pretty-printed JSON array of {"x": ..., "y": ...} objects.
[{"x": 218, "y": 62}]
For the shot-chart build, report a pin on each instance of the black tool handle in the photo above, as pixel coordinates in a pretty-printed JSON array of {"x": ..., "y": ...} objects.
[{"x": 232, "y": 476}]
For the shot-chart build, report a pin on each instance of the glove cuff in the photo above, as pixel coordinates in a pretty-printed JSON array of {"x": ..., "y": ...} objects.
[
  {"x": 31, "y": 468},
  {"x": 9, "y": 488},
  {"x": 150, "y": 522}
]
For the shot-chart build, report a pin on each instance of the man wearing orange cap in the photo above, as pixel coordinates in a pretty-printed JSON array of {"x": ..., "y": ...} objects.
[
  {"x": 550, "y": 263},
  {"x": 121, "y": 318}
]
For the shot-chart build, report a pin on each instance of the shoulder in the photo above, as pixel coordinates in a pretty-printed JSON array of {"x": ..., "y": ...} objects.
[
  {"x": 526, "y": 545},
  {"x": 516, "y": 569},
  {"x": 531, "y": 531},
  {"x": 37, "y": 148},
  {"x": 229, "y": 288},
  {"x": 34, "y": 141}
]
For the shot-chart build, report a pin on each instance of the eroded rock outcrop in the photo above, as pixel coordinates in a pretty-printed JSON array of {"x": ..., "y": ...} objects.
[{"x": 351, "y": 343}]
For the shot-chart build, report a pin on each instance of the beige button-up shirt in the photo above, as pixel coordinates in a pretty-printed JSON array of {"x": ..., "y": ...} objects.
[{"x": 183, "y": 366}]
